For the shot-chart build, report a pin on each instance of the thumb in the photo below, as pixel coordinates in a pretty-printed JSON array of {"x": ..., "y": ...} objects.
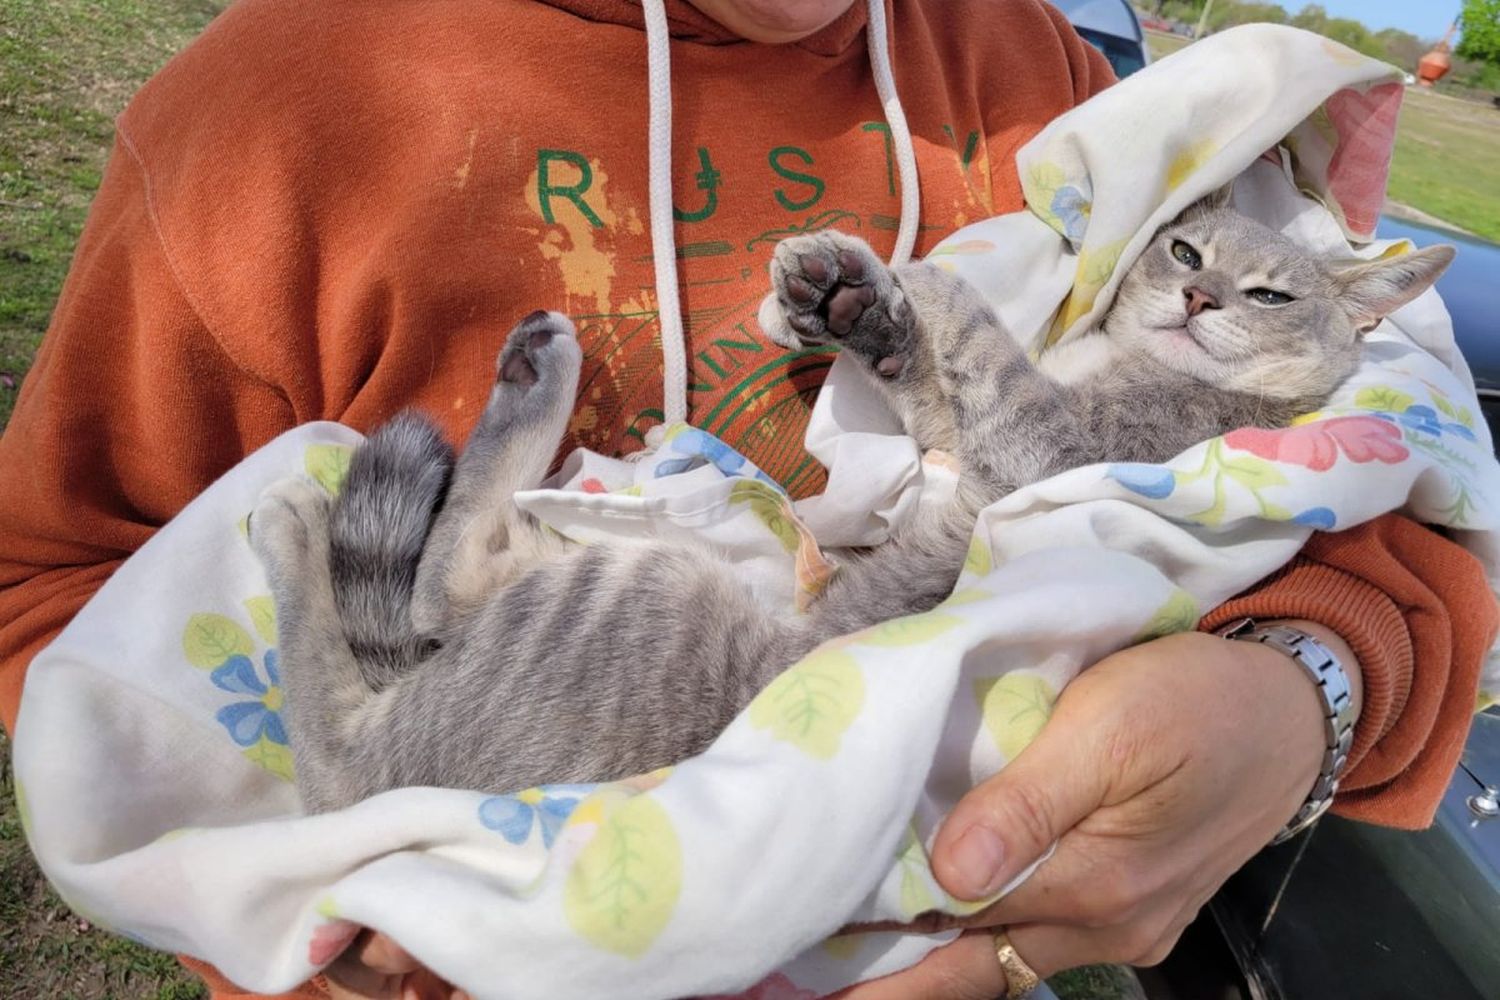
[{"x": 1006, "y": 824}]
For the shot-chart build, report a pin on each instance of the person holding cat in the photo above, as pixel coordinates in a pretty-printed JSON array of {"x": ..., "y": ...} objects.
[{"x": 390, "y": 188}]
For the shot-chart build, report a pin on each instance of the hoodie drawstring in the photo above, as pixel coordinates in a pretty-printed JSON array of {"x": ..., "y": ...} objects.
[
  {"x": 659, "y": 184},
  {"x": 895, "y": 118},
  {"x": 663, "y": 243}
]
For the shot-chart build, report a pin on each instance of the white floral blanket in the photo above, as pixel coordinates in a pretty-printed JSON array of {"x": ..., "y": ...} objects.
[{"x": 151, "y": 759}]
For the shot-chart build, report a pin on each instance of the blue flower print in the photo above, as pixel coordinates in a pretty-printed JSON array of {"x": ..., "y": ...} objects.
[
  {"x": 248, "y": 721},
  {"x": 513, "y": 816},
  {"x": 1153, "y": 481},
  {"x": 1073, "y": 210},
  {"x": 1425, "y": 419},
  {"x": 1317, "y": 517},
  {"x": 699, "y": 447},
  {"x": 1461, "y": 431},
  {"x": 1421, "y": 418}
]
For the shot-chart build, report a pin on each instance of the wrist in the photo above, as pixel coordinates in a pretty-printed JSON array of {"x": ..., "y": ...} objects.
[
  {"x": 1339, "y": 648},
  {"x": 1314, "y": 653}
]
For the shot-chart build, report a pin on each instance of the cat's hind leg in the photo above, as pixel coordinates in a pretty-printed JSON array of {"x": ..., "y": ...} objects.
[
  {"x": 480, "y": 541},
  {"x": 327, "y": 698}
]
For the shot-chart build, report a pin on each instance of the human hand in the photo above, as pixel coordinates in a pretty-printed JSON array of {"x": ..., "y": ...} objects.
[
  {"x": 376, "y": 968},
  {"x": 1164, "y": 768}
]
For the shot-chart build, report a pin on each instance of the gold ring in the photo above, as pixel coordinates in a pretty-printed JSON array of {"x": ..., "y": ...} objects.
[{"x": 1020, "y": 978}]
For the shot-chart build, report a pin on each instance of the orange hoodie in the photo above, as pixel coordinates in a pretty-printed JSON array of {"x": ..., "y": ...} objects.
[{"x": 334, "y": 210}]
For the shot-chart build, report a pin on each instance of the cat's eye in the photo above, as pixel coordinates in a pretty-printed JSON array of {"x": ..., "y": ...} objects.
[
  {"x": 1270, "y": 297},
  {"x": 1185, "y": 254}
]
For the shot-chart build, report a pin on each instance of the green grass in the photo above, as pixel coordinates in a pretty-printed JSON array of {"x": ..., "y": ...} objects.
[
  {"x": 1162, "y": 44},
  {"x": 67, "y": 67},
  {"x": 1097, "y": 982},
  {"x": 1447, "y": 161}
]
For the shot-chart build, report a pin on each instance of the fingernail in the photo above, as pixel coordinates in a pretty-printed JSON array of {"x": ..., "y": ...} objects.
[{"x": 976, "y": 859}]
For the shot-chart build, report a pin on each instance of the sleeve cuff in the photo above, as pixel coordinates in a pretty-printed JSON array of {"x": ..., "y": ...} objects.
[{"x": 1368, "y": 620}]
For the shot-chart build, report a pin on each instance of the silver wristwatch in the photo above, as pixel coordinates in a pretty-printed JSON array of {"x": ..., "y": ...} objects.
[{"x": 1338, "y": 709}]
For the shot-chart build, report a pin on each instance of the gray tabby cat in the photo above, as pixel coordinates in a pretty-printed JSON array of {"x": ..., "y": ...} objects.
[{"x": 432, "y": 634}]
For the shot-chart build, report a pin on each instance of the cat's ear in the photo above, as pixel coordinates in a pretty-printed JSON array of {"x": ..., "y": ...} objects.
[
  {"x": 1217, "y": 199},
  {"x": 1371, "y": 292}
]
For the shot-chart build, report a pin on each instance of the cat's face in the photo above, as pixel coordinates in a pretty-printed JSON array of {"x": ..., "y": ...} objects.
[{"x": 1228, "y": 301}]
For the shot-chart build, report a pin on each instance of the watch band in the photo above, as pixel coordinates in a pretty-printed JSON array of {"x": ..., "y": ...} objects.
[{"x": 1332, "y": 682}]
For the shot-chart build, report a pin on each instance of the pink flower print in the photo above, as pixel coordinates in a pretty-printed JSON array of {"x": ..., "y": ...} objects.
[
  {"x": 774, "y": 987},
  {"x": 1317, "y": 445},
  {"x": 329, "y": 940},
  {"x": 1366, "y": 127}
]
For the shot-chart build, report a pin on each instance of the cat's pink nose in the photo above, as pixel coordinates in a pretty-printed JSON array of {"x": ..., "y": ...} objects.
[{"x": 1198, "y": 300}]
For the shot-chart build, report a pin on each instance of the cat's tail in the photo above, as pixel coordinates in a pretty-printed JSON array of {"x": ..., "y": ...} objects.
[{"x": 377, "y": 529}]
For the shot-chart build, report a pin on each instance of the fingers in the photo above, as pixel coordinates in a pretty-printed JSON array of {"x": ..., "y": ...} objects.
[
  {"x": 1008, "y": 822},
  {"x": 967, "y": 969},
  {"x": 1050, "y": 948},
  {"x": 375, "y": 967},
  {"x": 382, "y": 954},
  {"x": 350, "y": 979}
]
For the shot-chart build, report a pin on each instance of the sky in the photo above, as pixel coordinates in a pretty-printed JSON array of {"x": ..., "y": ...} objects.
[{"x": 1423, "y": 18}]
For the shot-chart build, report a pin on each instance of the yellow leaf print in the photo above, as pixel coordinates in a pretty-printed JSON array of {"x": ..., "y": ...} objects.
[
  {"x": 813, "y": 703},
  {"x": 1346, "y": 56},
  {"x": 1383, "y": 397},
  {"x": 771, "y": 508},
  {"x": 909, "y": 631},
  {"x": 969, "y": 595},
  {"x": 1040, "y": 187},
  {"x": 844, "y": 946},
  {"x": 1187, "y": 162},
  {"x": 328, "y": 464},
  {"x": 263, "y": 618},
  {"x": 1179, "y": 614},
  {"x": 1096, "y": 265},
  {"x": 1015, "y": 707},
  {"x": 624, "y": 886},
  {"x": 274, "y": 757},
  {"x": 979, "y": 561},
  {"x": 916, "y": 892},
  {"x": 1400, "y": 248},
  {"x": 177, "y": 834},
  {"x": 210, "y": 639}
]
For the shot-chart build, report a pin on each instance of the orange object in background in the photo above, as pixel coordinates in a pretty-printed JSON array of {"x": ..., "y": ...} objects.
[{"x": 1434, "y": 65}]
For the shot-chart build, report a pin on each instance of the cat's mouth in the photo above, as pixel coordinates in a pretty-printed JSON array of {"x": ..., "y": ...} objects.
[{"x": 1183, "y": 336}]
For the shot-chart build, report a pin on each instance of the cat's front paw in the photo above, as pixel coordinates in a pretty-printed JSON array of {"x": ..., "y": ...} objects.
[{"x": 832, "y": 288}]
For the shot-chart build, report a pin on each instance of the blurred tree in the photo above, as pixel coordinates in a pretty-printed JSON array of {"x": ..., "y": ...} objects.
[
  {"x": 1312, "y": 17},
  {"x": 1354, "y": 35},
  {"x": 1402, "y": 48},
  {"x": 1480, "y": 22},
  {"x": 1228, "y": 13}
]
